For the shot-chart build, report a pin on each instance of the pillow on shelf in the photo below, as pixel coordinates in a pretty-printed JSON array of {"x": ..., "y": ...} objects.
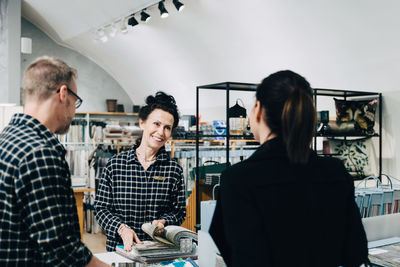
[
  {"x": 360, "y": 111},
  {"x": 343, "y": 128},
  {"x": 355, "y": 154}
]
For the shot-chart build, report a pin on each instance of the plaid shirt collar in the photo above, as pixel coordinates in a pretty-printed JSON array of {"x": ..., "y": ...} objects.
[
  {"x": 26, "y": 120},
  {"x": 162, "y": 154}
]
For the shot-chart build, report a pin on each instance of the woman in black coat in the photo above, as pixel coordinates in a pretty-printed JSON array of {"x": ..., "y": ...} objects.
[{"x": 284, "y": 205}]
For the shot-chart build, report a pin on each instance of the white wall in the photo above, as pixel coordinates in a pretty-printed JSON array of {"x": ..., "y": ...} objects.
[
  {"x": 94, "y": 84},
  {"x": 10, "y": 46},
  {"x": 4, "y": 49},
  {"x": 6, "y": 113}
]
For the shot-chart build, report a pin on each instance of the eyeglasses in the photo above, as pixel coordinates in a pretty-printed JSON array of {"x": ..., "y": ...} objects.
[{"x": 78, "y": 101}]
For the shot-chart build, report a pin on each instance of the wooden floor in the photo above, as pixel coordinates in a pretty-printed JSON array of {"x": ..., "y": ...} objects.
[{"x": 95, "y": 242}]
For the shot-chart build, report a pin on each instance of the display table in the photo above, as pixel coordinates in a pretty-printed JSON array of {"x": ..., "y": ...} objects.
[
  {"x": 112, "y": 257},
  {"x": 385, "y": 252},
  {"x": 78, "y": 193},
  {"x": 117, "y": 260}
]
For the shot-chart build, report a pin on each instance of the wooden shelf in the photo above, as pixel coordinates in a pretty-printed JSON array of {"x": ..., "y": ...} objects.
[
  {"x": 119, "y": 139},
  {"x": 211, "y": 141},
  {"x": 80, "y": 190}
]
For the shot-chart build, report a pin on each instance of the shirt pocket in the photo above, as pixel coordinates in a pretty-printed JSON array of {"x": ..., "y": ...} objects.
[{"x": 159, "y": 191}]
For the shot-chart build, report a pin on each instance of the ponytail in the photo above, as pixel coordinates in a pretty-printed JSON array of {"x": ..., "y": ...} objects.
[
  {"x": 289, "y": 112},
  {"x": 298, "y": 125}
]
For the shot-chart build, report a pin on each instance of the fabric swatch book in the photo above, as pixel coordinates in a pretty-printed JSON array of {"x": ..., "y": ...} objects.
[
  {"x": 174, "y": 242},
  {"x": 386, "y": 255}
]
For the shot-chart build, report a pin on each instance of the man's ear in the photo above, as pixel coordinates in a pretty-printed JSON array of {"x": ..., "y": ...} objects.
[{"x": 63, "y": 94}]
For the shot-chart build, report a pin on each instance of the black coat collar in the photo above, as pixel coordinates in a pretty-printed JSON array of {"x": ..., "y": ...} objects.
[{"x": 273, "y": 148}]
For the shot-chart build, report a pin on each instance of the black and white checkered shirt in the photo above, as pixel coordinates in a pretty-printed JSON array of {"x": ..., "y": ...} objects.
[
  {"x": 129, "y": 194},
  {"x": 38, "y": 219}
]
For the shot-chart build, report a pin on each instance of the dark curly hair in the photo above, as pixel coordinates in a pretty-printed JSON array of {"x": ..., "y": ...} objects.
[{"x": 160, "y": 101}]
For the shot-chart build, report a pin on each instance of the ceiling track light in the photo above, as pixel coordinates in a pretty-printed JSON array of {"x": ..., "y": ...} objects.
[
  {"x": 112, "y": 32},
  {"x": 144, "y": 16},
  {"x": 124, "y": 28},
  {"x": 132, "y": 21},
  {"x": 179, "y": 6},
  {"x": 101, "y": 35},
  {"x": 163, "y": 11}
]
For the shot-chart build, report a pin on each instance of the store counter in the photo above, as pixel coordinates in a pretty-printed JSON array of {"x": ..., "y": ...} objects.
[
  {"x": 117, "y": 260},
  {"x": 113, "y": 258},
  {"x": 385, "y": 252}
]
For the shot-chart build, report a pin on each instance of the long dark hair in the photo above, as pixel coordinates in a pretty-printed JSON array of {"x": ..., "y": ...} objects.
[
  {"x": 160, "y": 101},
  {"x": 289, "y": 112}
]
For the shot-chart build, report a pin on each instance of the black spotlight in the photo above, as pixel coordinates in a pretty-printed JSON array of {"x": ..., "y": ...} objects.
[
  {"x": 132, "y": 21},
  {"x": 163, "y": 11},
  {"x": 179, "y": 6},
  {"x": 144, "y": 16}
]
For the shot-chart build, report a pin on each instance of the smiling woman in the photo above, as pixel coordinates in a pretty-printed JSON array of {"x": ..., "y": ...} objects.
[
  {"x": 143, "y": 184},
  {"x": 157, "y": 119}
]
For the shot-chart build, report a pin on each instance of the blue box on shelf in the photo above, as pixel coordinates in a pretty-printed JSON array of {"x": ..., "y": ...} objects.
[
  {"x": 219, "y": 123},
  {"x": 220, "y": 131}
]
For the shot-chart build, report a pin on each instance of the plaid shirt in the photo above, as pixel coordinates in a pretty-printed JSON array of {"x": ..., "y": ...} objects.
[
  {"x": 38, "y": 221},
  {"x": 129, "y": 194}
]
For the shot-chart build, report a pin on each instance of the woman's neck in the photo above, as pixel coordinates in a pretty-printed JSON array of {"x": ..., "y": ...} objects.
[
  {"x": 146, "y": 153},
  {"x": 267, "y": 138},
  {"x": 265, "y": 134}
]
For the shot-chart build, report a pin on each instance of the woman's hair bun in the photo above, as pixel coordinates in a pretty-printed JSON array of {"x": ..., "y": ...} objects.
[
  {"x": 150, "y": 100},
  {"x": 162, "y": 101},
  {"x": 161, "y": 98}
]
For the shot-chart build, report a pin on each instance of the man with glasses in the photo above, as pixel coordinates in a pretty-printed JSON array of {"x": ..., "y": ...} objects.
[{"x": 38, "y": 222}]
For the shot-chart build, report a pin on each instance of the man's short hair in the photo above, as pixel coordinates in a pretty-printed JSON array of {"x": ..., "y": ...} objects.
[{"x": 44, "y": 76}]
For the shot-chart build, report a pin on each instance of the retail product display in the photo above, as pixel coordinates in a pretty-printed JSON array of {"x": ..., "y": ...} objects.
[
  {"x": 186, "y": 156},
  {"x": 353, "y": 125},
  {"x": 379, "y": 199},
  {"x": 219, "y": 129},
  {"x": 111, "y": 105},
  {"x": 362, "y": 112},
  {"x": 355, "y": 154},
  {"x": 113, "y": 130},
  {"x": 179, "y": 133},
  {"x": 173, "y": 242},
  {"x": 172, "y": 235},
  {"x": 322, "y": 121},
  {"x": 209, "y": 167},
  {"x": 120, "y": 108},
  {"x": 387, "y": 253},
  {"x": 235, "y": 117},
  {"x": 92, "y": 139},
  {"x": 187, "y": 121},
  {"x": 135, "y": 108}
]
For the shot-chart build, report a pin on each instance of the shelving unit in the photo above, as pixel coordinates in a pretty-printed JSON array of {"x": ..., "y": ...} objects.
[
  {"x": 88, "y": 144},
  {"x": 81, "y": 143},
  {"x": 352, "y": 95},
  {"x": 186, "y": 143},
  {"x": 227, "y": 87}
]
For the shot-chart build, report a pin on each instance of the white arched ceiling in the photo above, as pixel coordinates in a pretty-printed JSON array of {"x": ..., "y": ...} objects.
[{"x": 335, "y": 44}]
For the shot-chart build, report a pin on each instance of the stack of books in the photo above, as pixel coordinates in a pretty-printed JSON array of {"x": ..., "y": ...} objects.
[
  {"x": 385, "y": 252},
  {"x": 175, "y": 242}
]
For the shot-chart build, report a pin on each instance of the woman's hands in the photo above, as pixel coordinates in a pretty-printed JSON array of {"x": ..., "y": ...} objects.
[
  {"x": 160, "y": 224},
  {"x": 128, "y": 236}
]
